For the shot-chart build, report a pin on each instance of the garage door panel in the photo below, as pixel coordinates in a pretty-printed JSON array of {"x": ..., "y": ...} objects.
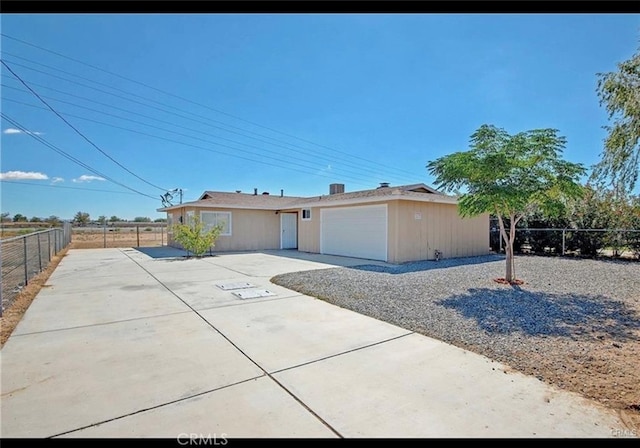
[{"x": 355, "y": 232}]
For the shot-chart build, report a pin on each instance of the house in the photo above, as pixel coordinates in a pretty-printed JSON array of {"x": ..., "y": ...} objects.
[{"x": 393, "y": 224}]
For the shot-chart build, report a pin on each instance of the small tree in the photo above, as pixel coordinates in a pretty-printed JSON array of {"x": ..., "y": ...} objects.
[
  {"x": 141, "y": 219},
  {"x": 160, "y": 220},
  {"x": 102, "y": 219},
  {"x": 19, "y": 218},
  {"x": 114, "y": 218},
  {"x": 35, "y": 219},
  {"x": 5, "y": 217},
  {"x": 511, "y": 176},
  {"x": 53, "y": 220},
  {"x": 194, "y": 236},
  {"x": 82, "y": 218}
]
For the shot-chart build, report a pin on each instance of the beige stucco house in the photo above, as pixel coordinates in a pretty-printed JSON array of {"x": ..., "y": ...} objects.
[{"x": 393, "y": 224}]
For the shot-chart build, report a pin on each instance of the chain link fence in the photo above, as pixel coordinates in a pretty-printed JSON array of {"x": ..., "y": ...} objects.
[
  {"x": 583, "y": 242},
  {"x": 23, "y": 257}
]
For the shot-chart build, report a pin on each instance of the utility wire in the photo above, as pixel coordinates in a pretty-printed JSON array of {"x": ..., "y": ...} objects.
[
  {"x": 332, "y": 161},
  {"x": 289, "y": 146},
  {"x": 203, "y": 105},
  {"x": 357, "y": 177},
  {"x": 76, "y": 129},
  {"x": 63, "y": 186},
  {"x": 68, "y": 156},
  {"x": 182, "y": 143}
]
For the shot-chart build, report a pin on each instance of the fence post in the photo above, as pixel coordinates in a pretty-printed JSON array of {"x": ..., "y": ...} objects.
[
  {"x": 26, "y": 269},
  {"x": 49, "y": 243},
  {"x": 138, "y": 235},
  {"x": 563, "y": 240},
  {"x": 161, "y": 236},
  {"x": 104, "y": 233},
  {"x": 39, "y": 253}
]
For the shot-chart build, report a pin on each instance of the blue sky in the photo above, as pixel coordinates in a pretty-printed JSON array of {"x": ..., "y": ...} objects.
[{"x": 283, "y": 101}]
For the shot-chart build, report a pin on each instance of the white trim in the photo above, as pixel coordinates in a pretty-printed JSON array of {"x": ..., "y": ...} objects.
[{"x": 219, "y": 212}]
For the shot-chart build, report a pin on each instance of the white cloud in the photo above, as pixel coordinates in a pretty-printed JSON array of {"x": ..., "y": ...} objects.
[
  {"x": 55, "y": 180},
  {"x": 87, "y": 178},
  {"x": 23, "y": 175},
  {"x": 18, "y": 131},
  {"x": 324, "y": 170}
]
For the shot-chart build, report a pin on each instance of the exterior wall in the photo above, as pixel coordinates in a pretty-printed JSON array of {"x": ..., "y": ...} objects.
[
  {"x": 250, "y": 229},
  {"x": 309, "y": 232},
  {"x": 440, "y": 227}
]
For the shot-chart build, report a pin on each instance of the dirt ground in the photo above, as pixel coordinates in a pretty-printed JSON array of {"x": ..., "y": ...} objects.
[
  {"x": 125, "y": 238},
  {"x": 12, "y": 315}
]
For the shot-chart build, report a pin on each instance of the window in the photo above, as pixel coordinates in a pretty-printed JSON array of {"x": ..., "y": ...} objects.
[
  {"x": 306, "y": 214},
  {"x": 212, "y": 219},
  {"x": 190, "y": 215},
  {"x": 169, "y": 222}
]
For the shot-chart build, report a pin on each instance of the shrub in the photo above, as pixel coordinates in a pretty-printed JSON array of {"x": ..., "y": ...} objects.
[{"x": 194, "y": 238}]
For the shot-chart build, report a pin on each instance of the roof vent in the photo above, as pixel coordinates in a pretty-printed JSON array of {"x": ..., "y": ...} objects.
[
  {"x": 266, "y": 193},
  {"x": 238, "y": 191},
  {"x": 255, "y": 192},
  {"x": 384, "y": 185},
  {"x": 336, "y": 188}
]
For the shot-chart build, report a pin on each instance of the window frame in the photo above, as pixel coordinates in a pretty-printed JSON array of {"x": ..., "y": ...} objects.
[
  {"x": 302, "y": 214},
  {"x": 230, "y": 233}
]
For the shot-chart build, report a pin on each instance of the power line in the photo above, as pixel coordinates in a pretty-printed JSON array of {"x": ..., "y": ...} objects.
[
  {"x": 289, "y": 147},
  {"x": 181, "y": 143},
  {"x": 202, "y": 105},
  {"x": 357, "y": 178},
  {"x": 76, "y": 130},
  {"x": 64, "y": 186},
  {"x": 68, "y": 156}
]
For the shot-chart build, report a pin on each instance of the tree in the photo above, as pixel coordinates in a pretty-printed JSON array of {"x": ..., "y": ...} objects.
[
  {"x": 194, "y": 237},
  {"x": 19, "y": 218},
  {"x": 160, "y": 220},
  {"x": 35, "y": 219},
  {"x": 619, "y": 92},
  {"x": 5, "y": 217},
  {"x": 114, "y": 218},
  {"x": 81, "y": 218},
  {"x": 141, "y": 219},
  {"x": 510, "y": 176},
  {"x": 102, "y": 219},
  {"x": 53, "y": 220}
]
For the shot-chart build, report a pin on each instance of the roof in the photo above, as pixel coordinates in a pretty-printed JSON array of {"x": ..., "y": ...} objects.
[{"x": 223, "y": 199}]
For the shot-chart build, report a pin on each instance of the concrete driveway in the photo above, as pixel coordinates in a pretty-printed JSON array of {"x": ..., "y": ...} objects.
[{"x": 129, "y": 343}]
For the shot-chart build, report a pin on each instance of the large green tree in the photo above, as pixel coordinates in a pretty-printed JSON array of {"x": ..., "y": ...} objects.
[
  {"x": 619, "y": 92},
  {"x": 82, "y": 218},
  {"x": 510, "y": 176}
]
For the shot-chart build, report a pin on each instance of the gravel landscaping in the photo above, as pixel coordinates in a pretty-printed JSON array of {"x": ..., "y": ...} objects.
[{"x": 574, "y": 323}]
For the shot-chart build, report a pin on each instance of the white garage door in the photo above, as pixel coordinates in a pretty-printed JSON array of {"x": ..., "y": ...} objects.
[{"x": 359, "y": 232}]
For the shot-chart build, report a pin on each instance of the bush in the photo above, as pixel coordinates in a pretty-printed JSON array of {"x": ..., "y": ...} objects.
[{"x": 194, "y": 238}]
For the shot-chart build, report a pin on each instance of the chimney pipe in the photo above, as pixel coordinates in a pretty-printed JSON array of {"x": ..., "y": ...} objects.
[
  {"x": 255, "y": 192},
  {"x": 281, "y": 192}
]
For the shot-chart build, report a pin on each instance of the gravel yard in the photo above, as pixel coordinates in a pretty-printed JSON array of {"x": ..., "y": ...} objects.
[{"x": 574, "y": 323}]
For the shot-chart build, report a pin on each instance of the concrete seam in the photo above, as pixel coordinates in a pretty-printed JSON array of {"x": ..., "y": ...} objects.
[{"x": 246, "y": 355}]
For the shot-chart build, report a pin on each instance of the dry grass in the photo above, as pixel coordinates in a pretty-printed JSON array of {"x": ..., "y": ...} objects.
[
  {"x": 126, "y": 238},
  {"x": 13, "y": 314}
]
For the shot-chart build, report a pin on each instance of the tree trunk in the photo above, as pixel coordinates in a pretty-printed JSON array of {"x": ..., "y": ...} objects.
[{"x": 510, "y": 274}]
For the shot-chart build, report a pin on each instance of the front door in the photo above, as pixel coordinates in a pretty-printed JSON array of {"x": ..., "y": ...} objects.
[{"x": 288, "y": 230}]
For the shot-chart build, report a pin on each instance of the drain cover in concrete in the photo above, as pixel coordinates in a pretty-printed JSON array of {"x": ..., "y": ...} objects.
[
  {"x": 230, "y": 286},
  {"x": 253, "y": 293}
]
